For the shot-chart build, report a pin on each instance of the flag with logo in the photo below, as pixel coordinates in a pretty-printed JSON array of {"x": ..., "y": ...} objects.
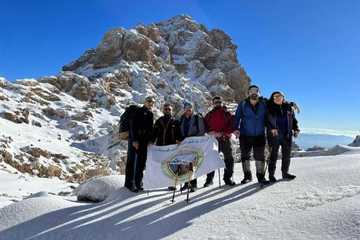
[{"x": 179, "y": 163}]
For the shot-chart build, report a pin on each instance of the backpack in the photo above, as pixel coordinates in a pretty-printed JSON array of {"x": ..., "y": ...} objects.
[{"x": 125, "y": 121}]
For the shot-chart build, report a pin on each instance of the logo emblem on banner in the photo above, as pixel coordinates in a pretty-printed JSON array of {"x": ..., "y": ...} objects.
[{"x": 182, "y": 164}]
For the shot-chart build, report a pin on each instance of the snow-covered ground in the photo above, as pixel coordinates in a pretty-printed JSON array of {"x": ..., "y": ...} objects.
[
  {"x": 323, "y": 202},
  {"x": 15, "y": 186}
]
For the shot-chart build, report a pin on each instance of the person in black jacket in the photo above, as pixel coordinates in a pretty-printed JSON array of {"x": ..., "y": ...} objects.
[
  {"x": 167, "y": 131},
  {"x": 281, "y": 127},
  {"x": 166, "y": 128},
  {"x": 140, "y": 135}
]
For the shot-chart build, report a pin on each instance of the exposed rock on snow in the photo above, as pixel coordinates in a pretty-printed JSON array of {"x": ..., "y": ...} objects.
[
  {"x": 196, "y": 53},
  {"x": 18, "y": 116},
  {"x": 315, "y": 148},
  {"x": 337, "y": 150},
  {"x": 356, "y": 142}
]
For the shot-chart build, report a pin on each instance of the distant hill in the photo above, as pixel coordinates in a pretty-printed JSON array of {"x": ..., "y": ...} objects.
[{"x": 308, "y": 140}]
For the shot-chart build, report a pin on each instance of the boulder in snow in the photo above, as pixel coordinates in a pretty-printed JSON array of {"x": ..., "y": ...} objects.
[{"x": 97, "y": 189}]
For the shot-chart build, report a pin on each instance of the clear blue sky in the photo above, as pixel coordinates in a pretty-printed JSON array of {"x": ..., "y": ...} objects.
[{"x": 308, "y": 49}]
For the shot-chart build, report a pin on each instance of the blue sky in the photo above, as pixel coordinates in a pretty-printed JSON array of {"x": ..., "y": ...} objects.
[{"x": 308, "y": 49}]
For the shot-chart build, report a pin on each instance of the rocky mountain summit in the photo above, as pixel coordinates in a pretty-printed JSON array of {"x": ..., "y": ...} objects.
[
  {"x": 62, "y": 126},
  {"x": 356, "y": 142}
]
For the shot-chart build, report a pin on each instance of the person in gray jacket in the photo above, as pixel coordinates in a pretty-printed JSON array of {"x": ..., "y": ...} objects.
[{"x": 191, "y": 124}]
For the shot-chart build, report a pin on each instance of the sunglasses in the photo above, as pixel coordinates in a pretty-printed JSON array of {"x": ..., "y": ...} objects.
[
  {"x": 217, "y": 102},
  {"x": 253, "y": 90},
  {"x": 278, "y": 96},
  {"x": 167, "y": 109}
]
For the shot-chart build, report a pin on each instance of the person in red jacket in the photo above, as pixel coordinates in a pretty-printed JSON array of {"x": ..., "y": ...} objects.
[{"x": 220, "y": 123}]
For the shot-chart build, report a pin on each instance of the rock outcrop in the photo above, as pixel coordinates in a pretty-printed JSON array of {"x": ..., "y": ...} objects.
[
  {"x": 356, "y": 142},
  {"x": 179, "y": 45}
]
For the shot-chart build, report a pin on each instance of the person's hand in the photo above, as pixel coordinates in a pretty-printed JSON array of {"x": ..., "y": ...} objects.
[
  {"x": 212, "y": 133},
  {"x": 136, "y": 145},
  {"x": 296, "y": 133},
  {"x": 237, "y": 133},
  {"x": 218, "y": 134},
  {"x": 295, "y": 107},
  {"x": 215, "y": 134},
  {"x": 274, "y": 132},
  {"x": 228, "y": 135}
]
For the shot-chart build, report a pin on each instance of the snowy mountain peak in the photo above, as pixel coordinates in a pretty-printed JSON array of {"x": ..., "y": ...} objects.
[
  {"x": 179, "y": 47},
  {"x": 62, "y": 125}
]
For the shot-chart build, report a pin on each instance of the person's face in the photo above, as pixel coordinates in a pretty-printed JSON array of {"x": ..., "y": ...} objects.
[
  {"x": 217, "y": 103},
  {"x": 167, "y": 110},
  {"x": 149, "y": 104},
  {"x": 278, "y": 98},
  {"x": 254, "y": 93},
  {"x": 188, "y": 112}
]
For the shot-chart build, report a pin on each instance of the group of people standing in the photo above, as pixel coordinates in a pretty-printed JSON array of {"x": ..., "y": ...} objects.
[{"x": 256, "y": 120}]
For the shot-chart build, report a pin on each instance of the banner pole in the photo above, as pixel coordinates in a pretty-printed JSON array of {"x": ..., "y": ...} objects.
[
  {"x": 219, "y": 178},
  {"x": 189, "y": 184},
  {"x": 176, "y": 180}
]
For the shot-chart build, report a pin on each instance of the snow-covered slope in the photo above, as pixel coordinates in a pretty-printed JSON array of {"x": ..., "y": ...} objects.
[
  {"x": 15, "y": 186},
  {"x": 323, "y": 202}
]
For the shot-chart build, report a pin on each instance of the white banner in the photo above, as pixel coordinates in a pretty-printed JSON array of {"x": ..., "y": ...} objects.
[{"x": 194, "y": 157}]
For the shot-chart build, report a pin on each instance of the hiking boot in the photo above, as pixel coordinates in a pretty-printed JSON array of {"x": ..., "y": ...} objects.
[
  {"x": 208, "y": 183},
  {"x": 139, "y": 187},
  {"x": 272, "y": 179},
  {"x": 264, "y": 182},
  {"x": 193, "y": 189},
  {"x": 132, "y": 189},
  {"x": 261, "y": 179},
  {"x": 229, "y": 182},
  {"x": 288, "y": 176},
  {"x": 171, "y": 188},
  {"x": 184, "y": 187},
  {"x": 247, "y": 178}
]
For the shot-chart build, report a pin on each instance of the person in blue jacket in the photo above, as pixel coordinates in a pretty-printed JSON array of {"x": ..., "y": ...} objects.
[{"x": 250, "y": 121}]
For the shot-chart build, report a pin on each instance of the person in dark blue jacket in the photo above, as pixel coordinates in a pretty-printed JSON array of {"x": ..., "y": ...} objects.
[
  {"x": 191, "y": 124},
  {"x": 250, "y": 124},
  {"x": 282, "y": 126}
]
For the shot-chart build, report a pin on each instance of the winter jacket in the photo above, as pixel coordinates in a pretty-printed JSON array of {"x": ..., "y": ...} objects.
[
  {"x": 219, "y": 120},
  {"x": 166, "y": 131},
  {"x": 282, "y": 118},
  {"x": 250, "y": 120},
  {"x": 141, "y": 125},
  {"x": 196, "y": 126}
]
